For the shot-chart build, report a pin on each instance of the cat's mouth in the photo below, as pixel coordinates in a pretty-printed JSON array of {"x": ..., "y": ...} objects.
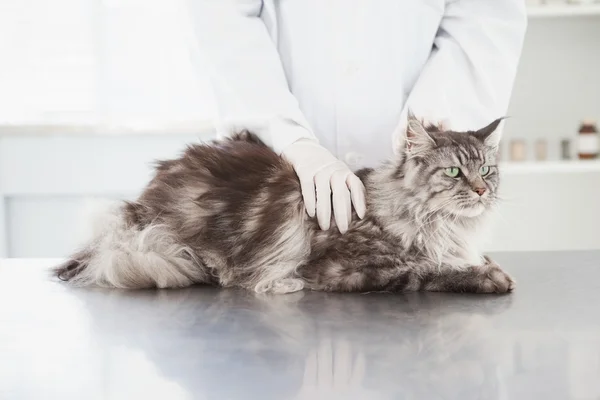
[{"x": 462, "y": 205}]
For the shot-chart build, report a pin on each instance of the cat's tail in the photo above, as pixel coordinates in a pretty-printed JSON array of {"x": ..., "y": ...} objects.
[{"x": 124, "y": 254}]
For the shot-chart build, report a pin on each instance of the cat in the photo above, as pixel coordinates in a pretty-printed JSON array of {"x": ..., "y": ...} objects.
[{"x": 230, "y": 213}]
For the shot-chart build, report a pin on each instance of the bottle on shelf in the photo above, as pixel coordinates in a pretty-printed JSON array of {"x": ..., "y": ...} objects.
[
  {"x": 587, "y": 141},
  {"x": 541, "y": 150},
  {"x": 565, "y": 149},
  {"x": 556, "y": 2},
  {"x": 518, "y": 150},
  {"x": 581, "y": 1}
]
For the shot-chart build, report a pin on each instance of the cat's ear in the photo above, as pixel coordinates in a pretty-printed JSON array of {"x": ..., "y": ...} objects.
[
  {"x": 490, "y": 135},
  {"x": 417, "y": 137}
]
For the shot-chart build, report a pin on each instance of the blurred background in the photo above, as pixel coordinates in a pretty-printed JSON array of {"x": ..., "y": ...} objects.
[{"x": 92, "y": 91}]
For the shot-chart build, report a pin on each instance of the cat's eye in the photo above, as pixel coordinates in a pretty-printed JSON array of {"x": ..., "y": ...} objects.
[
  {"x": 483, "y": 171},
  {"x": 452, "y": 172}
]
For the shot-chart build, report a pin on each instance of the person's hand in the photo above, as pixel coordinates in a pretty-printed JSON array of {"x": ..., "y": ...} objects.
[
  {"x": 321, "y": 175},
  {"x": 335, "y": 371}
]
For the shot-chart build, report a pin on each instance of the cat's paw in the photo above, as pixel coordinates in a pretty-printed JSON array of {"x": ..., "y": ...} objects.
[
  {"x": 492, "y": 279},
  {"x": 287, "y": 285}
]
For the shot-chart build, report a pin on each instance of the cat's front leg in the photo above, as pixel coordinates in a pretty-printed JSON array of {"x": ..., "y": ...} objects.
[{"x": 486, "y": 278}]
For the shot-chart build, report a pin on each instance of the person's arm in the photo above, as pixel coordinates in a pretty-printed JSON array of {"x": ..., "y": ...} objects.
[
  {"x": 245, "y": 71},
  {"x": 252, "y": 93},
  {"x": 468, "y": 79}
]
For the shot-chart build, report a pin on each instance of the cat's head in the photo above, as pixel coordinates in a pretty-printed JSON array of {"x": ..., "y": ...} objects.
[{"x": 455, "y": 172}]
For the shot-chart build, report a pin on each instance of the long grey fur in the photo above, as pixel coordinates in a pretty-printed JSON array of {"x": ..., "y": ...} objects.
[{"x": 230, "y": 213}]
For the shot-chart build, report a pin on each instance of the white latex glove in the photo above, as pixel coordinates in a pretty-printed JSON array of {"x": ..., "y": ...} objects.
[
  {"x": 321, "y": 175},
  {"x": 335, "y": 371}
]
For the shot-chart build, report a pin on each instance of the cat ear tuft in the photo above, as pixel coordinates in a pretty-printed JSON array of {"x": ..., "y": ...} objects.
[
  {"x": 417, "y": 137},
  {"x": 490, "y": 135}
]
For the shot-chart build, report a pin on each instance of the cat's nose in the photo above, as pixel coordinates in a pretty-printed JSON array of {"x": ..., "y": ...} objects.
[{"x": 479, "y": 190}]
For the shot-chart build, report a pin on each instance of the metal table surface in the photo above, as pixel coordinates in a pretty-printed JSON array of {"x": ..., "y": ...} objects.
[{"x": 540, "y": 342}]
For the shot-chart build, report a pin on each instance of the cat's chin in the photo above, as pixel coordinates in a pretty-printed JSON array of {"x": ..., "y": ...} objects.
[{"x": 470, "y": 212}]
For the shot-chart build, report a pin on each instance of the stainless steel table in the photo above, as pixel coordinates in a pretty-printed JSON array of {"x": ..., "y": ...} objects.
[{"x": 541, "y": 342}]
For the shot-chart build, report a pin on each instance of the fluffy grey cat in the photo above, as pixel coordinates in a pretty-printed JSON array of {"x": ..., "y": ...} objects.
[{"x": 230, "y": 213}]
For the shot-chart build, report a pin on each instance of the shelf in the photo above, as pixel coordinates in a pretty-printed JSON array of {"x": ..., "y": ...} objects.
[
  {"x": 200, "y": 128},
  {"x": 566, "y": 10},
  {"x": 536, "y": 167}
]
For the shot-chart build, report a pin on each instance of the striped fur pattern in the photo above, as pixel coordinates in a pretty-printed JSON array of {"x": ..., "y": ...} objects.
[{"x": 230, "y": 213}]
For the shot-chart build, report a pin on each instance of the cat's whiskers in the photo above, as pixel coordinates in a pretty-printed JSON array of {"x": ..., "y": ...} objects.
[
  {"x": 446, "y": 230},
  {"x": 441, "y": 229},
  {"x": 494, "y": 207},
  {"x": 431, "y": 213},
  {"x": 441, "y": 225},
  {"x": 509, "y": 200}
]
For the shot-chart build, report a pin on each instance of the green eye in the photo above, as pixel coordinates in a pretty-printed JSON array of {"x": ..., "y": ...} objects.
[
  {"x": 452, "y": 172},
  {"x": 483, "y": 171}
]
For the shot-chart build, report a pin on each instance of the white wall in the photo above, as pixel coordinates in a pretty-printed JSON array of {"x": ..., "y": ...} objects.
[
  {"x": 45, "y": 180},
  {"x": 558, "y": 82},
  {"x": 548, "y": 210},
  {"x": 115, "y": 62}
]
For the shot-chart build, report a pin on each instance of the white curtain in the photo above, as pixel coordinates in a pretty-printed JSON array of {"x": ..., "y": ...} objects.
[{"x": 119, "y": 63}]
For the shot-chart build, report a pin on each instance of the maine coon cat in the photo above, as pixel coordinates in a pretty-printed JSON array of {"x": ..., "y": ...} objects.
[{"x": 230, "y": 213}]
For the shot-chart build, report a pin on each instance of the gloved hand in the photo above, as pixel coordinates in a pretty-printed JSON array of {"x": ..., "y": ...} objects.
[{"x": 321, "y": 174}]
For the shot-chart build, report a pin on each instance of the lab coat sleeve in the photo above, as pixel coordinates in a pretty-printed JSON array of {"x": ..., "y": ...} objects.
[
  {"x": 245, "y": 71},
  {"x": 468, "y": 79}
]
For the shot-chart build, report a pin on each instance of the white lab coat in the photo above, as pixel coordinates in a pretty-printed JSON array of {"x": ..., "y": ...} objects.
[{"x": 346, "y": 71}]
